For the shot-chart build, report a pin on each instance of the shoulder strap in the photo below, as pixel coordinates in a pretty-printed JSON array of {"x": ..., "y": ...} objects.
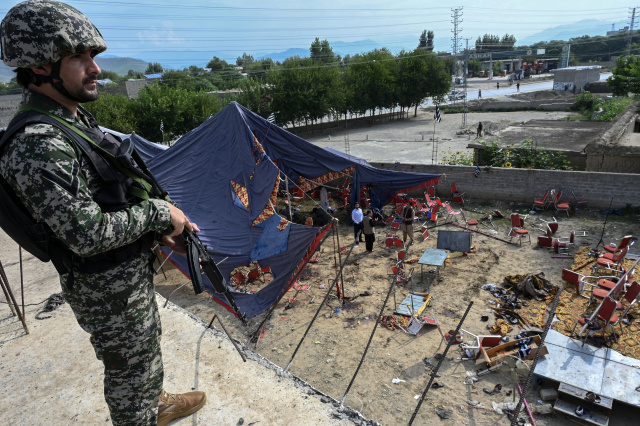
[{"x": 87, "y": 145}]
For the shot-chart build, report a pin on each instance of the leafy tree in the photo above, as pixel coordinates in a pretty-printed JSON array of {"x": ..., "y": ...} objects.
[
  {"x": 154, "y": 68},
  {"x": 109, "y": 75},
  {"x": 244, "y": 61},
  {"x": 626, "y": 76},
  {"x": 497, "y": 68},
  {"x": 419, "y": 76},
  {"x": 135, "y": 74},
  {"x": 494, "y": 43},
  {"x": 116, "y": 112},
  {"x": 255, "y": 96},
  {"x": 475, "y": 66},
  {"x": 179, "y": 109},
  {"x": 322, "y": 51},
  {"x": 217, "y": 64},
  {"x": 426, "y": 41},
  {"x": 259, "y": 68},
  {"x": 449, "y": 63}
]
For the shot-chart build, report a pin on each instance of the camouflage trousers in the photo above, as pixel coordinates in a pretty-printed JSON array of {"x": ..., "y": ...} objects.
[{"x": 118, "y": 309}]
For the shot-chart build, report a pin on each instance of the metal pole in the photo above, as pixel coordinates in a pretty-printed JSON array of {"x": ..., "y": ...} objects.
[{"x": 434, "y": 372}]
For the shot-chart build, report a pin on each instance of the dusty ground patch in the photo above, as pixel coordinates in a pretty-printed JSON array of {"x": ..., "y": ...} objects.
[{"x": 333, "y": 348}]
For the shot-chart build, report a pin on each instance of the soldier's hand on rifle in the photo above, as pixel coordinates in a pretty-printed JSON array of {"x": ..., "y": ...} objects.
[{"x": 179, "y": 221}]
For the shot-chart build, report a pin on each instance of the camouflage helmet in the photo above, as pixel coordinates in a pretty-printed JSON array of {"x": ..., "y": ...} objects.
[{"x": 39, "y": 32}]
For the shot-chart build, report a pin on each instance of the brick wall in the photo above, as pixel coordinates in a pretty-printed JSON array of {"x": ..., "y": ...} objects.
[{"x": 522, "y": 185}]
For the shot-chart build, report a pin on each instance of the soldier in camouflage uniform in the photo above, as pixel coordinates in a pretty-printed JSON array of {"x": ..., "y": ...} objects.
[{"x": 53, "y": 46}]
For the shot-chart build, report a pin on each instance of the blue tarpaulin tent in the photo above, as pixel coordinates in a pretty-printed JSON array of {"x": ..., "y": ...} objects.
[
  {"x": 299, "y": 158},
  {"x": 223, "y": 174},
  {"x": 227, "y": 185}
]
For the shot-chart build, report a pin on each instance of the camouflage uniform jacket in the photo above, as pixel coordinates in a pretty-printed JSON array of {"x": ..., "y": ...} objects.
[{"x": 55, "y": 183}]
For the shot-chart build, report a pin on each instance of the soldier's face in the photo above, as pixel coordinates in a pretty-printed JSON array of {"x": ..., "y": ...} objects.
[{"x": 79, "y": 74}]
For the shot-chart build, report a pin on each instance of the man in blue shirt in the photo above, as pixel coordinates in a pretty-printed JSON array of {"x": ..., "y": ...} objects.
[{"x": 356, "y": 218}]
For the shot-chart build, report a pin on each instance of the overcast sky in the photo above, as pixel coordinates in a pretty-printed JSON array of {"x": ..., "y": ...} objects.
[{"x": 235, "y": 26}]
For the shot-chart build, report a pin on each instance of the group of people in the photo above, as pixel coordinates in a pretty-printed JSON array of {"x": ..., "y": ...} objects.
[{"x": 364, "y": 224}]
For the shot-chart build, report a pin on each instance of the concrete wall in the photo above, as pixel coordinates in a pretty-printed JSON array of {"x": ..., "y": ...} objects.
[
  {"x": 617, "y": 149},
  {"x": 545, "y": 105},
  {"x": 352, "y": 123},
  {"x": 128, "y": 88},
  {"x": 578, "y": 77},
  {"x": 522, "y": 185},
  {"x": 9, "y": 105}
]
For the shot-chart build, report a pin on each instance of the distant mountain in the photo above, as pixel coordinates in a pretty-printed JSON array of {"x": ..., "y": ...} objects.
[
  {"x": 590, "y": 27},
  {"x": 120, "y": 66},
  {"x": 339, "y": 47}
]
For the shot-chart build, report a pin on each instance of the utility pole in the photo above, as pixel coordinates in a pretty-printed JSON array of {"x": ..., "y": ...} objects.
[
  {"x": 466, "y": 73},
  {"x": 456, "y": 15},
  {"x": 633, "y": 17}
]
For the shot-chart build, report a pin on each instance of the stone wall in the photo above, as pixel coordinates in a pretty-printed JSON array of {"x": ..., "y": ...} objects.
[
  {"x": 9, "y": 105},
  {"x": 352, "y": 123},
  {"x": 522, "y": 185},
  {"x": 608, "y": 154}
]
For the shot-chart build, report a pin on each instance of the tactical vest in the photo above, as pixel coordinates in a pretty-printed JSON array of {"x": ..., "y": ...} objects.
[{"x": 118, "y": 191}]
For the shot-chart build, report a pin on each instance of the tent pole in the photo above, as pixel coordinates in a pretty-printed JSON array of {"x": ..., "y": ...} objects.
[
  {"x": 324, "y": 300},
  {"x": 340, "y": 284},
  {"x": 286, "y": 185}
]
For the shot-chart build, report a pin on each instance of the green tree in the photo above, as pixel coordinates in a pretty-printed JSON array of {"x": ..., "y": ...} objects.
[
  {"x": 154, "y": 68},
  {"x": 259, "y": 68},
  {"x": 426, "y": 41},
  {"x": 109, "y": 75},
  {"x": 322, "y": 51},
  {"x": 254, "y": 96},
  {"x": 179, "y": 109},
  {"x": 494, "y": 43},
  {"x": 626, "y": 76},
  {"x": 115, "y": 112},
  {"x": 217, "y": 64},
  {"x": 244, "y": 61},
  {"x": 135, "y": 74},
  {"x": 419, "y": 77}
]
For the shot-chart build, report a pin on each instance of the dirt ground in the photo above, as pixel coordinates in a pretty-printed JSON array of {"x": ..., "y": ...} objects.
[{"x": 333, "y": 348}]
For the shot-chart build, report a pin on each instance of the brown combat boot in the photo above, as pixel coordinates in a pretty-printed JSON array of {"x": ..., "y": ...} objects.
[{"x": 174, "y": 405}]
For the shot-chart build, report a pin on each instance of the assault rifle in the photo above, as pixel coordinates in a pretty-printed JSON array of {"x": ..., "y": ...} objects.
[{"x": 198, "y": 258}]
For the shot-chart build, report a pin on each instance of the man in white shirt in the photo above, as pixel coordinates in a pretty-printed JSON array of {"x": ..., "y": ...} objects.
[{"x": 356, "y": 218}]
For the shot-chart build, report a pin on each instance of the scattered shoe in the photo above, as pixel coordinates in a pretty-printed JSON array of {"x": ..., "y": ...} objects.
[
  {"x": 579, "y": 411},
  {"x": 173, "y": 406},
  {"x": 437, "y": 385},
  {"x": 496, "y": 389}
]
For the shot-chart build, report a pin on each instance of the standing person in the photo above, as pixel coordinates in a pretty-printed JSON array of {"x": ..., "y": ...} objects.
[
  {"x": 517, "y": 86},
  {"x": 408, "y": 216},
  {"x": 369, "y": 231},
  {"x": 479, "y": 93},
  {"x": 356, "y": 218},
  {"x": 479, "y": 131},
  {"x": 497, "y": 85},
  {"x": 96, "y": 230}
]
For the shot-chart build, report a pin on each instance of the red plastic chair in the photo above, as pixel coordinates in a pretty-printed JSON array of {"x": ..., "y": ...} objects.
[
  {"x": 517, "y": 228},
  {"x": 451, "y": 212},
  {"x": 458, "y": 197},
  {"x": 425, "y": 232},
  {"x": 538, "y": 203},
  {"x": 612, "y": 248},
  {"x": 561, "y": 206}
]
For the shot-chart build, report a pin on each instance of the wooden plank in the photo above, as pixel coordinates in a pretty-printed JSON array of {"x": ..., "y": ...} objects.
[
  {"x": 582, "y": 394},
  {"x": 591, "y": 418}
]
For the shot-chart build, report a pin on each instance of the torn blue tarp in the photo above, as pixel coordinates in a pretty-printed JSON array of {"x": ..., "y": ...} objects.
[
  {"x": 299, "y": 158},
  {"x": 208, "y": 172}
]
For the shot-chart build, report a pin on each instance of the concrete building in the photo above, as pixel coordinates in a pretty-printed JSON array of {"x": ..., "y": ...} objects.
[{"x": 574, "y": 79}]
